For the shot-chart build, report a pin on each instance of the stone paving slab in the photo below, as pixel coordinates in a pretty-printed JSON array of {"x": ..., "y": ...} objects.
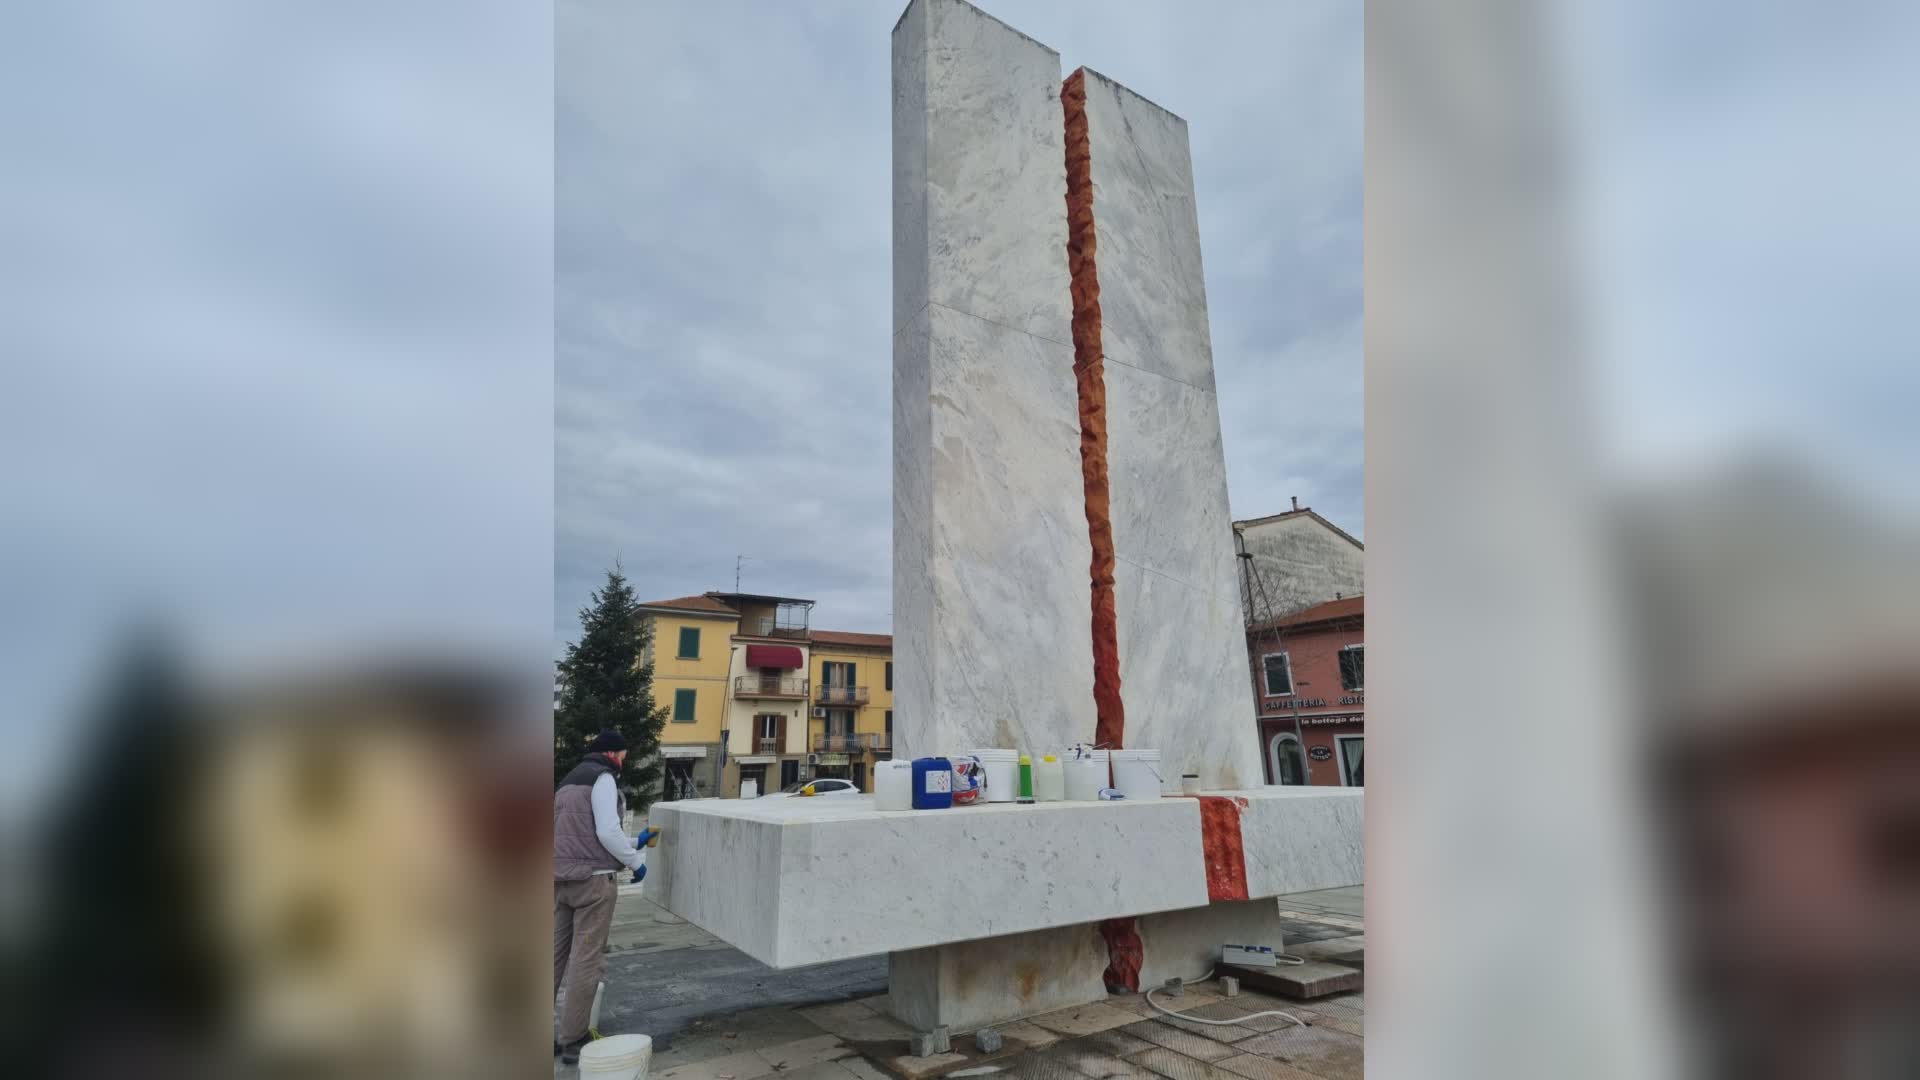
[
  {"x": 1176, "y": 1066},
  {"x": 1255, "y": 1067},
  {"x": 1084, "y": 1060},
  {"x": 804, "y": 1052},
  {"x": 1166, "y": 1036},
  {"x": 1085, "y": 1019},
  {"x": 1322, "y": 1051},
  {"x": 718, "y": 1015}
]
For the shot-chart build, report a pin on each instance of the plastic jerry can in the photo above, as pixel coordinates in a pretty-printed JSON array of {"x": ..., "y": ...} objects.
[{"x": 932, "y": 783}]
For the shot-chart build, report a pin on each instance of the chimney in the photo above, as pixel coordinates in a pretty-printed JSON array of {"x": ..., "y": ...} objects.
[{"x": 1296, "y": 504}]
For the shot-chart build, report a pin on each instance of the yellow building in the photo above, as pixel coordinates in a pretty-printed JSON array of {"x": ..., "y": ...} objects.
[
  {"x": 852, "y": 718},
  {"x": 732, "y": 670},
  {"x": 755, "y": 697}
]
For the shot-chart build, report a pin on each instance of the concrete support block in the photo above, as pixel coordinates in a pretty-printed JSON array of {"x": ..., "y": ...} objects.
[{"x": 998, "y": 980}]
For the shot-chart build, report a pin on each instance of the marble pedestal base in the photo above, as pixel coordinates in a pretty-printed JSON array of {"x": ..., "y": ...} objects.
[{"x": 992, "y": 981}]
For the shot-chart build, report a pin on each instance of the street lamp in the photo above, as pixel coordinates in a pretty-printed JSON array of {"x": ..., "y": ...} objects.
[{"x": 1306, "y": 759}]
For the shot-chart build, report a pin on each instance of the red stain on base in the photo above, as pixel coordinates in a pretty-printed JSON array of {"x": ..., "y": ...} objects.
[
  {"x": 1089, "y": 374},
  {"x": 1220, "y": 839},
  {"x": 1125, "y": 951}
]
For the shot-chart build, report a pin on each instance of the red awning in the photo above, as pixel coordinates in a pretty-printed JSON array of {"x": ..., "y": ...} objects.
[{"x": 777, "y": 656}]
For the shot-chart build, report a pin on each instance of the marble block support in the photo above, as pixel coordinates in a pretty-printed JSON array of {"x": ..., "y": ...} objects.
[
  {"x": 793, "y": 881},
  {"x": 1003, "y": 979},
  {"x": 1182, "y": 651},
  {"x": 991, "y": 610}
]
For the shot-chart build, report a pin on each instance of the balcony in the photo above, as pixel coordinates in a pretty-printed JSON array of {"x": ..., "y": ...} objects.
[
  {"x": 856, "y": 743},
  {"x": 770, "y": 686},
  {"x": 842, "y": 695},
  {"x": 774, "y": 628},
  {"x": 768, "y": 746}
]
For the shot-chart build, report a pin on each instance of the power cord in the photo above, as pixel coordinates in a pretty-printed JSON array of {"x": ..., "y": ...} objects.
[{"x": 1228, "y": 1023}]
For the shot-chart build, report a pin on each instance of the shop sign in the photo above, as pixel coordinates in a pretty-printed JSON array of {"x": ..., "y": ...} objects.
[
  {"x": 832, "y": 759},
  {"x": 1320, "y": 753}
]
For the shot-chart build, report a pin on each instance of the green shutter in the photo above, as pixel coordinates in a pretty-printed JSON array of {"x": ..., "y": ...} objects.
[
  {"x": 689, "y": 643},
  {"x": 683, "y": 706},
  {"x": 851, "y": 681},
  {"x": 889, "y": 676}
]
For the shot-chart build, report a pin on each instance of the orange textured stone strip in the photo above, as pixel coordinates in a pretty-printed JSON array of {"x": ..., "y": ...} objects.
[
  {"x": 1125, "y": 952},
  {"x": 1089, "y": 372},
  {"x": 1226, "y": 853}
]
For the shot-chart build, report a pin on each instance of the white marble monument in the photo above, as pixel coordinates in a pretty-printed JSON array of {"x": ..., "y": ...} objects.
[
  {"x": 992, "y": 598},
  {"x": 1063, "y": 573}
]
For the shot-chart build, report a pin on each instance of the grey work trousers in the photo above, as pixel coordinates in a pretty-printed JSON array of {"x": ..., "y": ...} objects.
[{"x": 582, "y": 917}]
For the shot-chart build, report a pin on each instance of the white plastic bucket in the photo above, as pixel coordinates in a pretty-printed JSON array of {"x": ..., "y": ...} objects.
[
  {"x": 622, "y": 1057},
  {"x": 1003, "y": 773},
  {"x": 893, "y": 785},
  {"x": 1085, "y": 776},
  {"x": 1137, "y": 773}
]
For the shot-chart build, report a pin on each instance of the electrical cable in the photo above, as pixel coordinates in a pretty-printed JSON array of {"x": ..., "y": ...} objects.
[{"x": 1227, "y": 1023}]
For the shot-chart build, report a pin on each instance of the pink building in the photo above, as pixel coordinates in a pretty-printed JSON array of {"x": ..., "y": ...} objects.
[{"x": 1309, "y": 672}]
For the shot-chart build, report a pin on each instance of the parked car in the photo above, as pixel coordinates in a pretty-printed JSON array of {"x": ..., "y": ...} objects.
[{"x": 821, "y": 788}]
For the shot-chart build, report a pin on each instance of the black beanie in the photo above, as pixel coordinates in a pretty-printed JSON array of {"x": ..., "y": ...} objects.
[{"x": 607, "y": 742}]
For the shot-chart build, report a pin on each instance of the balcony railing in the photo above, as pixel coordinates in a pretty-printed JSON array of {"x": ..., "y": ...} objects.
[
  {"x": 776, "y": 628},
  {"x": 769, "y": 746},
  {"x": 770, "y": 686},
  {"x": 857, "y": 743},
  {"x": 842, "y": 695}
]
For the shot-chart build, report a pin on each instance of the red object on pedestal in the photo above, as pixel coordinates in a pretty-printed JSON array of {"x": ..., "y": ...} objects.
[{"x": 1124, "y": 954}]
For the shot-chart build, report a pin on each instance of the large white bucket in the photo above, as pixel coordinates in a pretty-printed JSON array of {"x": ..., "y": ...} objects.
[
  {"x": 1003, "y": 773},
  {"x": 1137, "y": 773},
  {"x": 1086, "y": 776},
  {"x": 617, "y": 1057}
]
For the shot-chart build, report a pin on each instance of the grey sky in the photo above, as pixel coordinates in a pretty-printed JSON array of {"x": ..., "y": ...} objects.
[{"x": 722, "y": 261}]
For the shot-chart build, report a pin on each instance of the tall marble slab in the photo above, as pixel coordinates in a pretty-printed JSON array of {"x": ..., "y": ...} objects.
[
  {"x": 991, "y": 610},
  {"x": 1183, "y": 656}
]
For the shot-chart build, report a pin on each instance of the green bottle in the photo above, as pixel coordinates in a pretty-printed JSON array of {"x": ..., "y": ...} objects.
[{"x": 1026, "y": 779}]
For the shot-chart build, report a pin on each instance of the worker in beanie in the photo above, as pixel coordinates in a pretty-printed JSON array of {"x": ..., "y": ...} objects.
[{"x": 590, "y": 850}]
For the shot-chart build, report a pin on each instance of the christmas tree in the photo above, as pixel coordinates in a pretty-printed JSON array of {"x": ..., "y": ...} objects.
[{"x": 606, "y": 681}]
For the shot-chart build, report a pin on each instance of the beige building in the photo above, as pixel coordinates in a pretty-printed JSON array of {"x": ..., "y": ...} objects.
[{"x": 1297, "y": 559}]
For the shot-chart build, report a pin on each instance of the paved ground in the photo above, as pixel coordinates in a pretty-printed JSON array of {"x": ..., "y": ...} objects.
[{"x": 715, "y": 1014}]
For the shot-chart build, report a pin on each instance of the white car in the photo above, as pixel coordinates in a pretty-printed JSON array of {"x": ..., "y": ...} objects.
[{"x": 822, "y": 788}]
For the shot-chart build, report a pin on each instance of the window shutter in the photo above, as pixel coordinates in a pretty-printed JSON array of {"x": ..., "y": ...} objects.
[
  {"x": 690, "y": 642},
  {"x": 683, "y": 706}
]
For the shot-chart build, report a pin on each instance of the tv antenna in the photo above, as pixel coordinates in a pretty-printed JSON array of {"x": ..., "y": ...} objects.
[{"x": 737, "y": 560}]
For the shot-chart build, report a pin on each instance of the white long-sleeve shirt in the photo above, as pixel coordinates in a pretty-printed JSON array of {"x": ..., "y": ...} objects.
[{"x": 606, "y": 824}]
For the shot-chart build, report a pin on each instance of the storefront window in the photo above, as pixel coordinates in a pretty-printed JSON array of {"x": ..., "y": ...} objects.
[
  {"x": 1289, "y": 763},
  {"x": 1351, "y": 772}
]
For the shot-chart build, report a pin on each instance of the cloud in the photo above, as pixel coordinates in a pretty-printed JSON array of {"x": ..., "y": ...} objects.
[{"x": 723, "y": 264}]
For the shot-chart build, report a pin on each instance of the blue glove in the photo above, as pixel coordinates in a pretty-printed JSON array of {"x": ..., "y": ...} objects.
[{"x": 638, "y": 874}]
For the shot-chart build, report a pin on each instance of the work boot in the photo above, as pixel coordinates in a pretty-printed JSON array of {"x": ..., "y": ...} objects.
[{"x": 570, "y": 1053}]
